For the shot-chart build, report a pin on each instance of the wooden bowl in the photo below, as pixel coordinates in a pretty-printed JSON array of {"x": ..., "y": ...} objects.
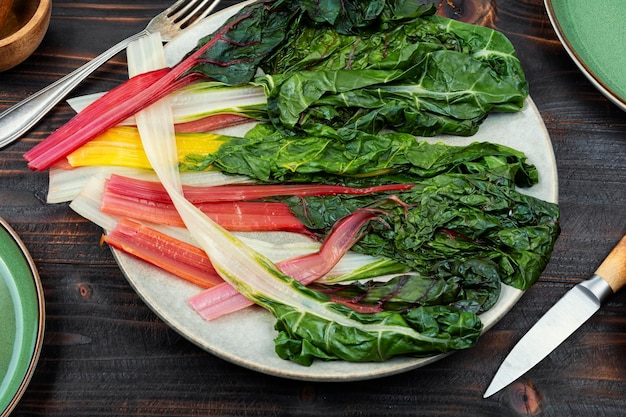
[
  {"x": 25, "y": 25},
  {"x": 5, "y": 8}
]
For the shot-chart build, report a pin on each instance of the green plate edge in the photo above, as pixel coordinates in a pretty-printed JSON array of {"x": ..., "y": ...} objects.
[
  {"x": 594, "y": 35},
  {"x": 22, "y": 314}
]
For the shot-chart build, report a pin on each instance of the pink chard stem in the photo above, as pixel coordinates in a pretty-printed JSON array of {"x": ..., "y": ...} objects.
[
  {"x": 224, "y": 299},
  {"x": 117, "y": 105}
]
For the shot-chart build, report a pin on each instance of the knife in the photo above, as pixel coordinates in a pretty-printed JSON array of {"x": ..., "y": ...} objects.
[{"x": 567, "y": 315}]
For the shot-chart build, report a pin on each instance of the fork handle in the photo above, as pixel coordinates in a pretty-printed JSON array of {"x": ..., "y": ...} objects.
[{"x": 18, "y": 119}]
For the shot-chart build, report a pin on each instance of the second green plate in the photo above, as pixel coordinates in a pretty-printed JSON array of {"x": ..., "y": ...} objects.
[{"x": 594, "y": 35}]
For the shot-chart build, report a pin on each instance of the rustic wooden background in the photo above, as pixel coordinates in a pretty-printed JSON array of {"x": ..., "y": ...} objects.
[{"x": 105, "y": 353}]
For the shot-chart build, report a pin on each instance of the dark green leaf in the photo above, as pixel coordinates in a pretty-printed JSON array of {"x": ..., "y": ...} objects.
[
  {"x": 268, "y": 155},
  {"x": 304, "y": 335},
  {"x": 434, "y": 75},
  {"x": 473, "y": 285},
  {"x": 447, "y": 219}
]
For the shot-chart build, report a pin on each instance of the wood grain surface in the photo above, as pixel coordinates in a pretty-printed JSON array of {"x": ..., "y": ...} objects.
[{"x": 106, "y": 353}]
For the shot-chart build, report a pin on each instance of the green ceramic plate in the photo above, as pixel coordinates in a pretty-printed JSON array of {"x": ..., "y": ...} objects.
[
  {"x": 594, "y": 35},
  {"x": 21, "y": 318}
]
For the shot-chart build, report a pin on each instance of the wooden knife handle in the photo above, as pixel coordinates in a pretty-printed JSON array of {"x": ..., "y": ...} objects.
[{"x": 613, "y": 268}]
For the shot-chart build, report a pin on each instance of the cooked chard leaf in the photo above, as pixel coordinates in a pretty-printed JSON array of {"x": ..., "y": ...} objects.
[
  {"x": 340, "y": 333},
  {"x": 346, "y": 15},
  {"x": 368, "y": 65},
  {"x": 268, "y": 155},
  {"x": 447, "y": 92},
  {"x": 312, "y": 326},
  {"x": 447, "y": 219},
  {"x": 423, "y": 75},
  {"x": 472, "y": 285},
  {"x": 260, "y": 28}
]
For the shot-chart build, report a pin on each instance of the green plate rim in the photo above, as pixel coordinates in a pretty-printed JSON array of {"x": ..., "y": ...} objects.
[
  {"x": 607, "y": 91},
  {"x": 25, "y": 374}
]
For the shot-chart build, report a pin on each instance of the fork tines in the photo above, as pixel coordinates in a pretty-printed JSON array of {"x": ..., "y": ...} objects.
[{"x": 187, "y": 13}]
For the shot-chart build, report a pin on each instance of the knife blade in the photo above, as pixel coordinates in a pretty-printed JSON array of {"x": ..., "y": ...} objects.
[{"x": 564, "y": 318}]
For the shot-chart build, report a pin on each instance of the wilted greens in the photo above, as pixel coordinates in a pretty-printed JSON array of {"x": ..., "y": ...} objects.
[
  {"x": 358, "y": 158},
  {"x": 330, "y": 331},
  {"x": 462, "y": 235},
  {"x": 463, "y": 207},
  {"x": 337, "y": 74},
  {"x": 369, "y": 66},
  {"x": 448, "y": 220}
]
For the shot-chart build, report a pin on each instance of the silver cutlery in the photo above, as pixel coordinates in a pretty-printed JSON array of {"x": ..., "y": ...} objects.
[{"x": 18, "y": 119}]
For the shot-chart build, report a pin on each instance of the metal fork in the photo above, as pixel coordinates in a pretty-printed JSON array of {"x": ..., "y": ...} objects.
[{"x": 18, "y": 119}]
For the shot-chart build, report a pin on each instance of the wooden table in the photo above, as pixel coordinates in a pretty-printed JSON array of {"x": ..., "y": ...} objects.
[{"x": 106, "y": 353}]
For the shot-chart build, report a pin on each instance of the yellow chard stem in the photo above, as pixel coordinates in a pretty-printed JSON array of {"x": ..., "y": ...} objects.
[{"x": 121, "y": 146}]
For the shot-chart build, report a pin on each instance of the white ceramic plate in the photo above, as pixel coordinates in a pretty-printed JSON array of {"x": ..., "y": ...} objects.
[{"x": 246, "y": 337}]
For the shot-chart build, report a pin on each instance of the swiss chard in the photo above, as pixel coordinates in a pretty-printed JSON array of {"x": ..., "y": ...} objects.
[
  {"x": 462, "y": 210},
  {"x": 305, "y": 318},
  {"x": 472, "y": 286},
  {"x": 447, "y": 220},
  {"x": 414, "y": 72},
  {"x": 268, "y": 155},
  {"x": 153, "y": 191},
  {"x": 234, "y": 49},
  {"x": 447, "y": 79}
]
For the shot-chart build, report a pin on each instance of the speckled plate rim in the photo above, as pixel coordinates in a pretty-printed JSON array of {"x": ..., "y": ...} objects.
[
  {"x": 22, "y": 273},
  {"x": 560, "y": 25},
  {"x": 246, "y": 337}
]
